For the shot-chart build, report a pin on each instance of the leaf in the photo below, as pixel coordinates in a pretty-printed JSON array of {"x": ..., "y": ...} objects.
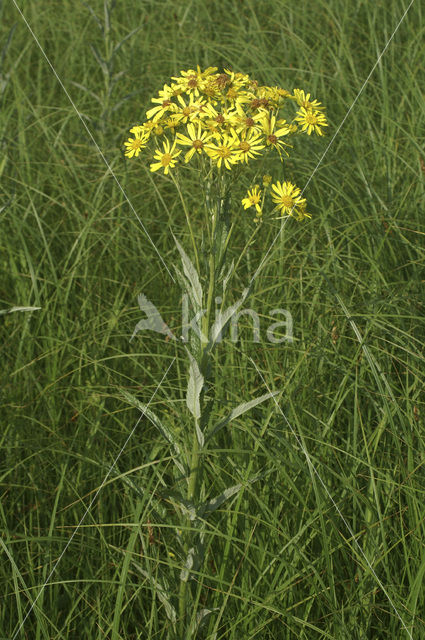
[
  {"x": 101, "y": 62},
  {"x": 227, "y": 276},
  {"x": 194, "y": 558},
  {"x": 185, "y": 572},
  {"x": 164, "y": 431},
  {"x": 131, "y": 33},
  {"x": 191, "y": 274},
  {"x": 215, "y": 503},
  {"x": 200, "y": 623},
  {"x": 211, "y": 505},
  {"x": 187, "y": 508},
  {"x": 164, "y": 596},
  {"x": 240, "y": 410},
  {"x": 194, "y": 389},
  {"x": 187, "y": 287},
  {"x": 223, "y": 318},
  {"x": 14, "y": 309}
]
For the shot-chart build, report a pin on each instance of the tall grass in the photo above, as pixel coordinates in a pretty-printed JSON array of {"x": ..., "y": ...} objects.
[{"x": 282, "y": 562}]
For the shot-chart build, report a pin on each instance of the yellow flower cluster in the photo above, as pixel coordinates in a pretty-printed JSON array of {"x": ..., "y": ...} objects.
[{"x": 226, "y": 118}]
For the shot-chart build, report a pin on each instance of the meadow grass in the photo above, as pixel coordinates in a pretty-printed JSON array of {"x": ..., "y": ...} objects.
[{"x": 282, "y": 563}]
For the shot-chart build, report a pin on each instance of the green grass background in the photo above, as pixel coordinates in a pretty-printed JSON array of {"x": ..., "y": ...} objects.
[{"x": 281, "y": 562}]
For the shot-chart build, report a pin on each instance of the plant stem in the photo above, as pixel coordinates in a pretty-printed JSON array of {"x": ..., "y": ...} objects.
[{"x": 196, "y": 460}]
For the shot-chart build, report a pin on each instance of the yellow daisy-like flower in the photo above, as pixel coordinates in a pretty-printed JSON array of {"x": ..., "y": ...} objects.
[
  {"x": 224, "y": 152},
  {"x": 303, "y": 100},
  {"x": 243, "y": 123},
  {"x": 165, "y": 159},
  {"x": 288, "y": 200},
  {"x": 137, "y": 130},
  {"x": 252, "y": 199},
  {"x": 192, "y": 82},
  {"x": 274, "y": 132},
  {"x": 163, "y": 108},
  {"x": 189, "y": 111},
  {"x": 311, "y": 121},
  {"x": 196, "y": 140},
  {"x": 135, "y": 145},
  {"x": 250, "y": 146}
]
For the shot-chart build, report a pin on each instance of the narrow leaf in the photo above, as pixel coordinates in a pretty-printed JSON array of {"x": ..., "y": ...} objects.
[
  {"x": 163, "y": 594},
  {"x": 164, "y": 431},
  {"x": 240, "y": 410},
  {"x": 213, "y": 504},
  {"x": 194, "y": 389},
  {"x": 191, "y": 274},
  {"x": 222, "y": 320},
  {"x": 14, "y": 309}
]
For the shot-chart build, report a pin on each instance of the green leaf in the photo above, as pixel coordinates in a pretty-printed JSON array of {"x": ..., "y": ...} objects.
[
  {"x": 240, "y": 410},
  {"x": 3, "y": 312},
  {"x": 164, "y": 431},
  {"x": 191, "y": 274},
  {"x": 164, "y": 596},
  {"x": 222, "y": 320},
  {"x": 194, "y": 389},
  {"x": 211, "y": 505},
  {"x": 185, "y": 572}
]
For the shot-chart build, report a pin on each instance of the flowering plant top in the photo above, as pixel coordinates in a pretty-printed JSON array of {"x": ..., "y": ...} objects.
[{"x": 226, "y": 119}]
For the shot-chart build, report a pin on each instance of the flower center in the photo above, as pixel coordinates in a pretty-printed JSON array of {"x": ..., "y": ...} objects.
[
  {"x": 311, "y": 118},
  {"x": 136, "y": 144},
  {"x": 244, "y": 146},
  {"x": 232, "y": 94},
  {"x": 219, "y": 118},
  {"x": 166, "y": 103},
  {"x": 187, "y": 111},
  {"x": 255, "y": 199},
  {"x": 198, "y": 144},
  {"x": 287, "y": 201},
  {"x": 272, "y": 139},
  {"x": 192, "y": 82},
  {"x": 222, "y": 80},
  {"x": 249, "y": 122},
  {"x": 166, "y": 159},
  {"x": 224, "y": 152}
]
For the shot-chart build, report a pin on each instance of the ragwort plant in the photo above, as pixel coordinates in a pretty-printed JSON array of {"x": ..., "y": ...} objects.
[{"x": 221, "y": 124}]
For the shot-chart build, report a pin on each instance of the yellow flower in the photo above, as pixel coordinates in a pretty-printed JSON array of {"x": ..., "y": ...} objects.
[
  {"x": 220, "y": 121},
  {"x": 190, "y": 111},
  {"x": 135, "y": 145},
  {"x": 303, "y": 100},
  {"x": 192, "y": 81},
  {"x": 288, "y": 200},
  {"x": 253, "y": 199},
  {"x": 165, "y": 159},
  {"x": 311, "y": 120},
  {"x": 242, "y": 123},
  {"x": 196, "y": 140},
  {"x": 274, "y": 132},
  {"x": 164, "y": 106},
  {"x": 250, "y": 146},
  {"x": 226, "y": 151},
  {"x": 137, "y": 130}
]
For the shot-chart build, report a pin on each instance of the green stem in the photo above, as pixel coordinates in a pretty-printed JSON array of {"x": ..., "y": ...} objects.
[{"x": 196, "y": 460}]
